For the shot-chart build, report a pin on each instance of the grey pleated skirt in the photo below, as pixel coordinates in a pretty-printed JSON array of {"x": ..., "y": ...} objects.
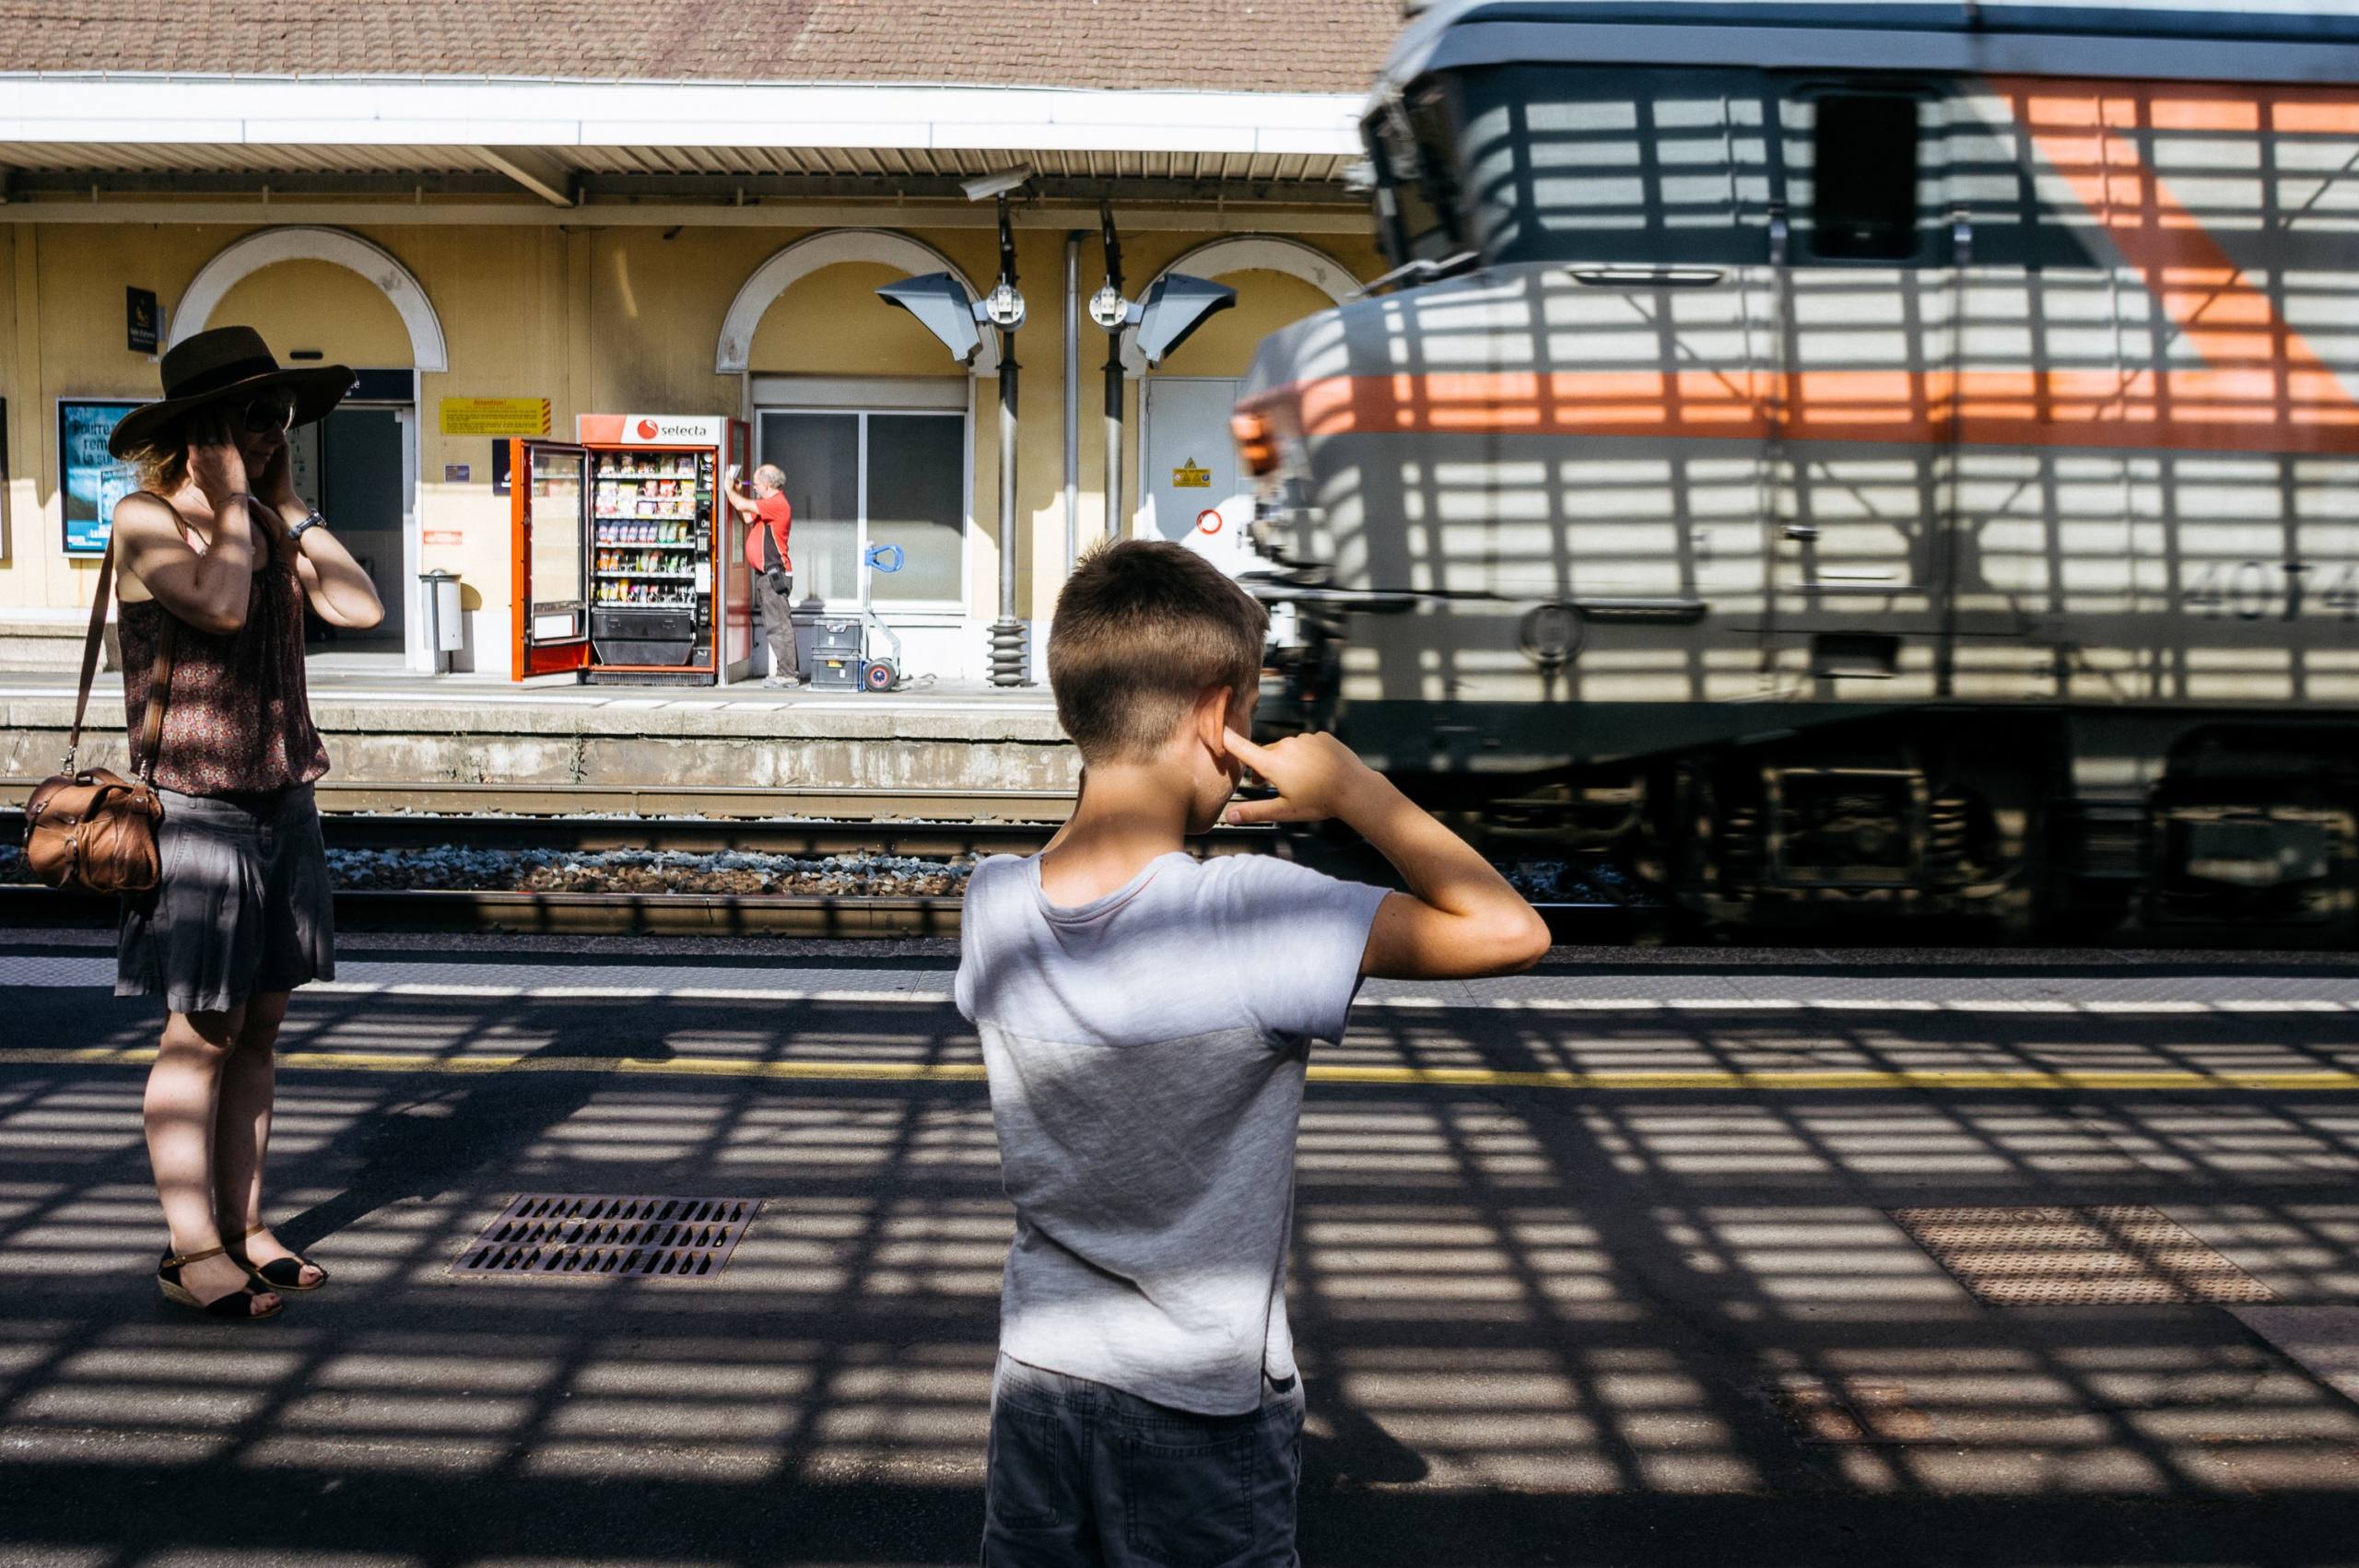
[{"x": 244, "y": 905}]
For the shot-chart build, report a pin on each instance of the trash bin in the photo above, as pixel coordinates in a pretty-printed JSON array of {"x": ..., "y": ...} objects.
[{"x": 446, "y": 625}]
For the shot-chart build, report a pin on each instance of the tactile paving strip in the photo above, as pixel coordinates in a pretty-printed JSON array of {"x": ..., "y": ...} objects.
[
  {"x": 2116, "y": 1255},
  {"x": 554, "y": 1235}
]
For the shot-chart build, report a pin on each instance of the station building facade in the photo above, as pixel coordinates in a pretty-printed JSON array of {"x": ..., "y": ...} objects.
[{"x": 474, "y": 247}]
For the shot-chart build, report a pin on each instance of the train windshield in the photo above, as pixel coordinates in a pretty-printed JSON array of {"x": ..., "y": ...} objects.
[
  {"x": 1664, "y": 167},
  {"x": 1411, "y": 142},
  {"x": 1646, "y": 166}
]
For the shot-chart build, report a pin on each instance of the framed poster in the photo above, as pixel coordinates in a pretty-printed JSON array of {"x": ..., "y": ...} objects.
[{"x": 90, "y": 479}]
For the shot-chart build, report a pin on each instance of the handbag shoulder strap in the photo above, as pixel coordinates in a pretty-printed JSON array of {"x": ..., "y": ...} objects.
[
  {"x": 90, "y": 644},
  {"x": 160, "y": 671}
]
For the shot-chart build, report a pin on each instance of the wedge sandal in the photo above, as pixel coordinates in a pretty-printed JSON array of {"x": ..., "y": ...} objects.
[
  {"x": 280, "y": 1273},
  {"x": 236, "y": 1306}
]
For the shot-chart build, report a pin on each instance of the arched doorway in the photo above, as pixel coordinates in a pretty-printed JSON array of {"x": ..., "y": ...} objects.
[
  {"x": 874, "y": 427},
  {"x": 321, "y": 295},
  {"x": 1189, "y": 486}
]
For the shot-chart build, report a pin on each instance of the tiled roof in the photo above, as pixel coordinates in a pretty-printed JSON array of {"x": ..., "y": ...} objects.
[{"x": 1221, "y": 45}]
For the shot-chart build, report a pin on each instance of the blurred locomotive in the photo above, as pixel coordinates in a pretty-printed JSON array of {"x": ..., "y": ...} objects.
[{"x": 1893, "y": 460}]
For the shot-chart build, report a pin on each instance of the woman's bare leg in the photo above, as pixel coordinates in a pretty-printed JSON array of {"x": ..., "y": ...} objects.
[
  {"x": 181, "y": 1110},
  {"x": 242, "y": 1133}
]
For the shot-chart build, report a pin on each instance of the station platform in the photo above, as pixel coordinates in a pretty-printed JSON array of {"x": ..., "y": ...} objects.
[
  {"x": 1807, "y": 1259},
  {"x": 392, "y": 727}
]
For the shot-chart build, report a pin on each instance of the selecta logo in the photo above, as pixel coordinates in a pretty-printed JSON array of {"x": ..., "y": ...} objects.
[{"x": 655, "y": 429}]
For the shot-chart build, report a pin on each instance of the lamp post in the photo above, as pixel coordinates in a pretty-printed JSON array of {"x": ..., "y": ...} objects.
[
  {"x": 1172, "y": 309},
  {"x": 1005, "y": 308},
  {"x": 1175, "y": 306},
  {"x": 1109, "y": 308},
  {"x": 939, "y": 301}
]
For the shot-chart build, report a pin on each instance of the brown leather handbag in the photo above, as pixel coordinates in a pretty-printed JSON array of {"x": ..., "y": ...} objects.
[{"x": 91, "y": 828}]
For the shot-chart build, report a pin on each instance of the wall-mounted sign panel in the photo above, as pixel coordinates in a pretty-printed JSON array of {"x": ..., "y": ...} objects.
[
  {"x": 495, "y": 416},
  {"x": 90, "y": 479}
]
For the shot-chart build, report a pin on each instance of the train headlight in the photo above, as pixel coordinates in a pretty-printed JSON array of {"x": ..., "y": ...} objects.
[
  {"x": 1257, "y": 444},
  {"x": 1551, "y": 635}
]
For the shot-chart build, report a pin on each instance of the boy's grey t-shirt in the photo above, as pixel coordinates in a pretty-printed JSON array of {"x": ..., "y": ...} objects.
[{"x": 1146, "y": 1054}]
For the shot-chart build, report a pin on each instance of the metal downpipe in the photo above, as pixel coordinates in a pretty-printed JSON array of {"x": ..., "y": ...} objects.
[{"x": 1073, "y": 398}]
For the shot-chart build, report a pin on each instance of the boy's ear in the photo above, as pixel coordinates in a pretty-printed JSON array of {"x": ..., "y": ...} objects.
[{"x": 1212, "y": 720}]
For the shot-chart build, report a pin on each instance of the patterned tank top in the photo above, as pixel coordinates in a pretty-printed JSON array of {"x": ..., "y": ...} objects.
[{"x": 239, "y": 717}]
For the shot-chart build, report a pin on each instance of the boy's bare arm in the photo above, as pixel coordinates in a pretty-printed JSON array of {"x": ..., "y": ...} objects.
[{"x": 1459, "y": 918}]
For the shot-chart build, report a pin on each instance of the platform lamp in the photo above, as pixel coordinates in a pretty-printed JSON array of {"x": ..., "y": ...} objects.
[
  {"x": 1175, "y": 306},
  {"x": 939, "y": 301}
]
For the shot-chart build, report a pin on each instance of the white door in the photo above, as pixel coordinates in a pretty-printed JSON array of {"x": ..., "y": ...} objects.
[{"x": 1190, "y": 490}]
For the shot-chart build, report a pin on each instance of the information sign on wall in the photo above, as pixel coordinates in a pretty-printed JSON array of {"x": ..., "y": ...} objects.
[
  {"x": 495, "y": 416},
  {"x": 142, "y": 322},
  {"x": 90, "y": 479}
]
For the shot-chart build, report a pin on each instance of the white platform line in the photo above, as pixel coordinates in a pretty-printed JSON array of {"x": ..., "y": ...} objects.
[{"x": 570, "y": 982}]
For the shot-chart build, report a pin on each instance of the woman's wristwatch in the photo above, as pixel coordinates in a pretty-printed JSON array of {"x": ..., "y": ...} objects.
[{"x": 295, "y": 533}]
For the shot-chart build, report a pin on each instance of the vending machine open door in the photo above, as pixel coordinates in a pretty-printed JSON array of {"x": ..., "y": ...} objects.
[{"x": 549, "y": 516}]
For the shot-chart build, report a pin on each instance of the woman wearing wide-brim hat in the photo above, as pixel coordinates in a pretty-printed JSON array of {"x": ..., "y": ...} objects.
[{"x": 218, "y": 557}]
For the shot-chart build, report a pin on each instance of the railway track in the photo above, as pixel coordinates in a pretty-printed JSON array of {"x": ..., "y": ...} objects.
[
  {"x": 918, "y": 823},
  {"x": 572, "y": 914},
  {"x": 665, "y": 914},
  {"x": 738, "y": 802},
  {"x": 699, "y": 836}
]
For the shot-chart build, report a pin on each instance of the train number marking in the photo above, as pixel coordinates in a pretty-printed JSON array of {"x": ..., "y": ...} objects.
[
  {"x": 2253, "y": 590},
  {"x": 2342, "y": 598}
]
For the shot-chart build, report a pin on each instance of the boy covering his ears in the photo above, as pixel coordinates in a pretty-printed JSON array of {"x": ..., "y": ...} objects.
[{"x": 1145, "y": 1021}]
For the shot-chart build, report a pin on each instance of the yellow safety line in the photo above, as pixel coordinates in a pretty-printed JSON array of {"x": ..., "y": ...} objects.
[{"x": 2115, "y": 1080}]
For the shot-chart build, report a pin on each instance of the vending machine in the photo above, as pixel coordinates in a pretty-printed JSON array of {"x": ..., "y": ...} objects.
[{"x": 629, "y": 563}]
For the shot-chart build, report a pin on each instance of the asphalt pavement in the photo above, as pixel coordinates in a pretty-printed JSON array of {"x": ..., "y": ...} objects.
[{"x": 1633, "y": 1260}]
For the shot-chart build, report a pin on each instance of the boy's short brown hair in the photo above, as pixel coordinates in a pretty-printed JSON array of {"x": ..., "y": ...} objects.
[{"x": 1144, "y": 629}]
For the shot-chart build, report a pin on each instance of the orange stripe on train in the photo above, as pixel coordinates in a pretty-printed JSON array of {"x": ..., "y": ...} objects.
[{"x": 2257, "y": 410}]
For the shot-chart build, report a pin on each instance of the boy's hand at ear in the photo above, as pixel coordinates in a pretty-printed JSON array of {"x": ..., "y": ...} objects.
[
  {"x": 1316, "y": 777},
  {"x": 1460, "y": 918}
]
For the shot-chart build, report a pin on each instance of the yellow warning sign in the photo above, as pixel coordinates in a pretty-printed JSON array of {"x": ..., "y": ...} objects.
[
  {"x": 495, "y": 416},
  {"x": 1187, "y": 476}
]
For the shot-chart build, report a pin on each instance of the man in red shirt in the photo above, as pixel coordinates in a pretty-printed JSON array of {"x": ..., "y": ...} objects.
[{"x": 769, "y": 519}]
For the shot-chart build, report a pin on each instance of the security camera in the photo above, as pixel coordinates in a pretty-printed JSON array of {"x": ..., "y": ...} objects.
[{"x": 984, "y": 187}]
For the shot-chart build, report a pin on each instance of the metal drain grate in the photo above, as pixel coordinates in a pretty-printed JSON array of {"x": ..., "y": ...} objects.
[
  {"x": 2121, "y": 1254},
  {"x": 557, "y": 1235}
]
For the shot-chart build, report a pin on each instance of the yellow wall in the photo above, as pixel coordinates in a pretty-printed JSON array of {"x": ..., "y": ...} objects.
[
  {"x": 832, "y": 324},
  {"x": 1225, "y": 345},
  {"x": 19, "y": 491},
  {"x": 321, "y": 307},
  {"x": 598, "y": 320}
]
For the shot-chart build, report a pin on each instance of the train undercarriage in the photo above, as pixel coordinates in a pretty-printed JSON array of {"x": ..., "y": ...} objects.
[{"x": 2227, "y": 830}]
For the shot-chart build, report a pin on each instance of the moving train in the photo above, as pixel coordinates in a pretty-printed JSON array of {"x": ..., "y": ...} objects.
[{"x": 1843, "y": 459}]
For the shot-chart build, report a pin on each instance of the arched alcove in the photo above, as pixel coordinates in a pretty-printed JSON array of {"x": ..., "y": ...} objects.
[
  {"x": 733, "y": 354},
  {"x": 266, "y": 248},
  {"x": 1217, "y": 258}
]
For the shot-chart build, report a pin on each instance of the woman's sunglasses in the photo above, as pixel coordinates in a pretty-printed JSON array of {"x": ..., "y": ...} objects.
[{"x": 272, "y": 414}]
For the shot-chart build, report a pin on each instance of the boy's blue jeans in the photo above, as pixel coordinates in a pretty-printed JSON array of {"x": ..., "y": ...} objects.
[{"x": 1082, "y": 1474}]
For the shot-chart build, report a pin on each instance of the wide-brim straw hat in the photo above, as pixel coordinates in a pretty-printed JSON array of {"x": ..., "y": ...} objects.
[{"x": 222, "y": 366}]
